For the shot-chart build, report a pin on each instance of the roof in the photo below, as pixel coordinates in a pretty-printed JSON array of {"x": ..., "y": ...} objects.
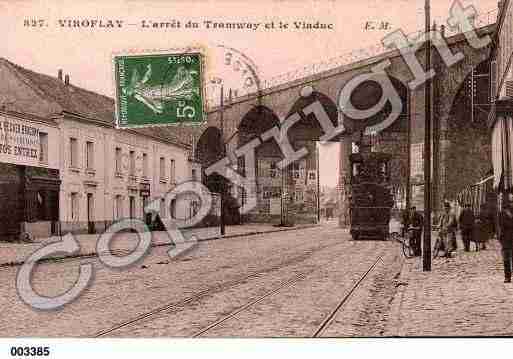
[
  {"x": 85, "y": 104},
  {"x": 25, "y": 116}
]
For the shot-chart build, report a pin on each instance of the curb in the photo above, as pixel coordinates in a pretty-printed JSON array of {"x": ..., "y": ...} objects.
[
  {"x": 394, "y": 325},
  {"x": 121, "y": 252}
]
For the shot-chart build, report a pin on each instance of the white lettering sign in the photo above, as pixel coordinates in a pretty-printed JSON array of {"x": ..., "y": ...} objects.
[{"x": 19, "y": 142}]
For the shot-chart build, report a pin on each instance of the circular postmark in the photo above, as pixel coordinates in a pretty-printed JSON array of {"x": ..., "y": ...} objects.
[{"x": 233, "y": 72}]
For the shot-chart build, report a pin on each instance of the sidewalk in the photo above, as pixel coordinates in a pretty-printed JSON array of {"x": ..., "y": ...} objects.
[
  {"x": 16, "y": 253},
  {"x": 462, "y": 296}
]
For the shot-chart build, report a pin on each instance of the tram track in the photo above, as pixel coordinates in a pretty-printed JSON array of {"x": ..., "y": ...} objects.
[
  {"x": 170, "y": 307},
  {"x": 324, "y": 324},
  {"x": 251, "y": 304},
  {"x": 331, "y": 316}
]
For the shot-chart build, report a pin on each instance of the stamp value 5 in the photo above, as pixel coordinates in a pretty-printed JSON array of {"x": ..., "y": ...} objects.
[{"x": 159, "y": 89}]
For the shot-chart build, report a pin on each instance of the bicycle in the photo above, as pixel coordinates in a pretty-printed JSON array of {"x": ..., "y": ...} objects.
[{"x": 406, "y": 242}]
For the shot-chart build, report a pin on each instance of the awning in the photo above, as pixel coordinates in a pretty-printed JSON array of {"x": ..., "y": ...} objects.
[
  {"x": 497, "y": 151},
  {"x": 502, "y": 152}
]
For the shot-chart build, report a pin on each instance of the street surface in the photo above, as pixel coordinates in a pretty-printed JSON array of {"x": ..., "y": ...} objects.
[
  {"x": 462, "y": 296},
  {"x": 278, "y": 285}
]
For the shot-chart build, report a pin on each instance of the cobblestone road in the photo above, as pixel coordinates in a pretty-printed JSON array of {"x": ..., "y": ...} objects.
[{"x": 221, "y": 276}]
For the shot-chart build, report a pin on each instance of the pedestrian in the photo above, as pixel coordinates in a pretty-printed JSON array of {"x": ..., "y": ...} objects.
[
  {"x": 506, "y": 235},
  {"x": 448, "y": 225},
  {"x": 416, "y": 222},
  {"x": 467, "y": 222}
]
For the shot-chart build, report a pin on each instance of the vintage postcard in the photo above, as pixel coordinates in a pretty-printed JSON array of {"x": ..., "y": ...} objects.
[{"x": 271, "y": 169}]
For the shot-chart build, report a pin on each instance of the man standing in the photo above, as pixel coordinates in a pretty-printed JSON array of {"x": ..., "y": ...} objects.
[
  {"x": 417, "y": 223},
  {"x": 506, "y": 235},
  {"x": 466, "y": 222},
  {"x": 448, "y": 229}
]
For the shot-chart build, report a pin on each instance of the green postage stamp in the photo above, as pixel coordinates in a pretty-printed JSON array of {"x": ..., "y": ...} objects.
[{"x": 159, "y": 89}]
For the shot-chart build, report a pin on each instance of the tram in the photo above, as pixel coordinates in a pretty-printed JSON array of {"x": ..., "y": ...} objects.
[{"x": 371, "y": 199}]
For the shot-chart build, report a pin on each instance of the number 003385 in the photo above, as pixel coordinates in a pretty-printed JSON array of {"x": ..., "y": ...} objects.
[{"x": 30, "y": 351}]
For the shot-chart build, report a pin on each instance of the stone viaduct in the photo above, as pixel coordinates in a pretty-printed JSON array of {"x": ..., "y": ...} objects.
[{"x": 460, "y": 154}]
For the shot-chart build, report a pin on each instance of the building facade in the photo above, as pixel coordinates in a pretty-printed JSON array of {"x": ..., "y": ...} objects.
[
  {"x": 295, "y": 191},
  {"x": 65, "y": 168},
  {"x": 109, "y": 174},
  {"x": 501, "y": 120}
]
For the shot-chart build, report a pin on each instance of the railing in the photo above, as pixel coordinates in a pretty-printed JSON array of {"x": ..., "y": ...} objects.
[{"x": 481, "y": 20}]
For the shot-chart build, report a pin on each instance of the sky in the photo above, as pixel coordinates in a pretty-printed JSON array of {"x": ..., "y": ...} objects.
[{"x": 86, "y": 53}]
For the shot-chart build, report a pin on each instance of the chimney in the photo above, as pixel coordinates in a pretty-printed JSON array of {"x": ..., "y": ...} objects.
[
  {"x": 59, "y": 74},
  {"x": 66, "y": 79}
]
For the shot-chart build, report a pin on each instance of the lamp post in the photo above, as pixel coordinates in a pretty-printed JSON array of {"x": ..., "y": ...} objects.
[{"x": 223, "y": 154}]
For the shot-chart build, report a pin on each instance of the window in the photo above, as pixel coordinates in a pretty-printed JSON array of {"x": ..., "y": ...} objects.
[
  {"x": 312, "y": 176},
  {"x": 89, "y": 155},
  {"x": 119, "y": 206},
  {"x": 295, "y": 170},
  {"x": 241, "y": 166},
  {"x": 162, "y": 208},
  {"x": 43, "y": 147},
  {"x": 74, "y": 206},
  {"x": 90, "y": 207},
  {"x": 172, "y": 171},
  {"x": 118, "y": 160},
  {"x": 145, "y": 201},
  {"x": 162, "y": 169},
  {"x": 73, "y": 144},
  {"x": 173, "y": 208},
  {"x": 194, "y": 175},
  {"x": 132, "y": 163},
  {"x": 194, "y": 208},
  {"x": 132, "y": 206},
  {"x": 145, "y": 165},
  {"x": 41, "y": 204}
]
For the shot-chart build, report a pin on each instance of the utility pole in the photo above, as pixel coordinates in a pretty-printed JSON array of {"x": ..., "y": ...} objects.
[
  {"x": 435, "y": 147},
  {"x": 426, "y": 260},
  {"x": 317, "y": 147},
  {"x": 408, "y": 156},
  {"x": 223, "y": 154}
]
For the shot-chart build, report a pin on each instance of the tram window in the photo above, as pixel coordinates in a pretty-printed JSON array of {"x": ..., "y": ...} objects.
[{"x": 356, "y": 169}]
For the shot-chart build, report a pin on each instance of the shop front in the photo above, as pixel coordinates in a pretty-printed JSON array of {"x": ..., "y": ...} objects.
[{"x": 29, "y": 177}]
